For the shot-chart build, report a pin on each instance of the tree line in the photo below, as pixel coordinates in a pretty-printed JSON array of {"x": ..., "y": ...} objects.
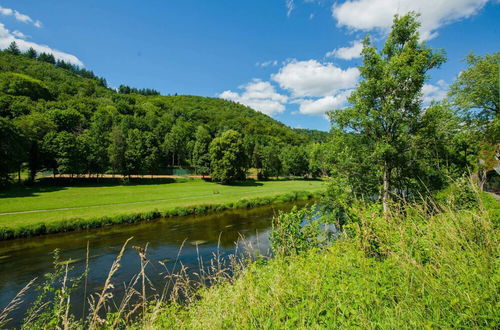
[{"x": 54, "y": 119}]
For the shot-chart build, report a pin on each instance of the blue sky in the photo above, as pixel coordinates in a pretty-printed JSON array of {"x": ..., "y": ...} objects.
[{"x": 291, "y": 59}]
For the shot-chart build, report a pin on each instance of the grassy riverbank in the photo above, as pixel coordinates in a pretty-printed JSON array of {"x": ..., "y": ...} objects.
[
  {"x": 409, "y": 270},
  {"x": 28, "y": 211}
]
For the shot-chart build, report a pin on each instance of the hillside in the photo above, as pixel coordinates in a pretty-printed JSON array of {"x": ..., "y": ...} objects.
[{"x": 63, "y": 118}]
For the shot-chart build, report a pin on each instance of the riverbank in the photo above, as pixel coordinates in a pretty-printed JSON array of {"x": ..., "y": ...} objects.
[
  {"x": 52, "y": 208},
  {"x": 411, "y": 269}
]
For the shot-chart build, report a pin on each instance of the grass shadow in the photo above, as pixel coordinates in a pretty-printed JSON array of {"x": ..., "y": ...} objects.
[{"x": 46, "y": 185}]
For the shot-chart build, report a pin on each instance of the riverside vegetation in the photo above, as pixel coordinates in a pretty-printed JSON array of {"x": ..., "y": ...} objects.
[{"x": 403, "y": 237}]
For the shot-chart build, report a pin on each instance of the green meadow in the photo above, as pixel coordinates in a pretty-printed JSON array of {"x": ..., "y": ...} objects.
[{"x": 26, "y": 206}]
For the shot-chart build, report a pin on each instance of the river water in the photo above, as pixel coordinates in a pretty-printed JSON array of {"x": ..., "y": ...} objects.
[{"x": 200, "y": 236}]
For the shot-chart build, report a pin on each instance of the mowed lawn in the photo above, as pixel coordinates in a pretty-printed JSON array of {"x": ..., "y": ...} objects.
[{"x": 23, "y": 206}]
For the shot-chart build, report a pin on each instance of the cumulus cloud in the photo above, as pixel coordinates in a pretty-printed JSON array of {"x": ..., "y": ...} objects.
[
  {"x": 347, "y": 53},
  {"x": 20, "y": 16},
  {"x": 434, "y": 92},
  {"x": 259, "y": 95},
  {"x": 322, "y": 105},
  {"x": 314, "y": 79},
  {"x": 378, "y": 14},
  {"x": 6, "y": 37}
]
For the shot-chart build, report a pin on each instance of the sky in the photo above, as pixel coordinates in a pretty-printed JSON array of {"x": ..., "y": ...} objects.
[{"x": 290, "y": 59}]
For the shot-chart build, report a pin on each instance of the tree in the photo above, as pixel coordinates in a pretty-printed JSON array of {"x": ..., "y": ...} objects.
[
  {"x": 319, "y": 159},
  {"x": 476, "y": 95},
  {"x": 295, "y": 161},
  {"x": 477, "y": 87},
  {"x": 67, "y": 119},
  {"x": 386, "y": 106},
  {"x": 12, "y": 149},
  {"x": 201, "y": 156},
  {"x": 13, "y": 49},
  {"x": 31, "y": 53},
  {"x": 270, "y": 161},
  {"x": 227, "y": 157},
  {"x": 152, "y": 153},
  {"x": 175, "y": 143},
  {"x": 116, "y": 150},
  {"x": 135, "y": 152},
  {"x": 34, "y": 127},
  {"x": 66, "y": 151},
  {"x": 49, "y": 58},
  {"x": 23, "y": 85}
]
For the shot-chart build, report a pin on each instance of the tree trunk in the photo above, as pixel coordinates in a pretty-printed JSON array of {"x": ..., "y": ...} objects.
[
  {"x": 19, "y": 174},
  {"x": 386, "y": 188}
]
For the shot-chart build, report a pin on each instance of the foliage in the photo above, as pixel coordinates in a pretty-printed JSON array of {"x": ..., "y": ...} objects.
[
  {"x": 477, "y": 87},
  {"x": 227, "y": 158},
  {"x": 296, "y": 232},
  {"x": 460, "y": 195},
  {"x": 201, "y": 156},
  {"x": 12, "y": 145},
  {"x": 429, "y": 271},
  {"x": 294, "y": 161},
  {"x": 386, "y": 106},
  {"x": 22, "y": 85}
]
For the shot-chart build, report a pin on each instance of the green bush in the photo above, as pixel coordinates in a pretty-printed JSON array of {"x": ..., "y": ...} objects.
[{"x": 460, "y": 195}]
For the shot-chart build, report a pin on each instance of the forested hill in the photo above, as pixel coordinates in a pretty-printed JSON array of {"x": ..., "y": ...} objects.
[
  {"x": 61, "y": 88},
  {"x": 51, "y": 105}
]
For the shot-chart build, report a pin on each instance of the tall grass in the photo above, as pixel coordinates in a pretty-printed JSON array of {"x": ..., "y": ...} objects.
[
  {"x": 73, "y": 224},
  {"x": 422, "y": 266}
]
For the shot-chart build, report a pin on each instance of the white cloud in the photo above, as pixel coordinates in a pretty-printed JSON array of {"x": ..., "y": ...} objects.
[
  {"x": 267, "y": 63},
  {"x": 314, "y": 79},
  {"x": 259, "y": 95},
  {"x": 19, "y": 34},
  {"x": 434, "y": 92},
  {"x": 290, "y": 6},
  {"x": 6, "y": 37},
  {"x": 322, "y": 105},
  {"x": 379, "y": 14},
  {"x": 6, "y": 11},
  {"x": 20, "y": 16},
  {"x": 347, "y": 53}
]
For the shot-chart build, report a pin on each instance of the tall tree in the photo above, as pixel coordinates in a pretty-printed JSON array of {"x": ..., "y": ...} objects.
[
  {"x": 12, "y": 149},
  {"x": 201, "y": 156},
  {"x": 31, "y": 53},
  {"x": 270, "y": 161},
  {"x": 294, "y": 160},
  {"x": 228, "y": 158},
  {"x": 386, "y": 105},
  {"x": 116, "y": 150},
  {"x": 13, "y": 48},
  {"x": 34, "y": 127}
]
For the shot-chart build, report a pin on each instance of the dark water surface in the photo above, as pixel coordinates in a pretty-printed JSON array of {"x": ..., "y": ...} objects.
[{"x": 24, "y": 259}]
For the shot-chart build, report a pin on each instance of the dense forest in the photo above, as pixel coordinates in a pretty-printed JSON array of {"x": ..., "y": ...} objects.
[{"x": 58, "y": 117}]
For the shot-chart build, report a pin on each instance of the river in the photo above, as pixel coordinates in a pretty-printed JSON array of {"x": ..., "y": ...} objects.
[{"x": 200, "y": 236}]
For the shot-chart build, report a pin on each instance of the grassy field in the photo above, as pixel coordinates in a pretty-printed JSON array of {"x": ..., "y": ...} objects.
[{"x": 22, "y": 206}]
